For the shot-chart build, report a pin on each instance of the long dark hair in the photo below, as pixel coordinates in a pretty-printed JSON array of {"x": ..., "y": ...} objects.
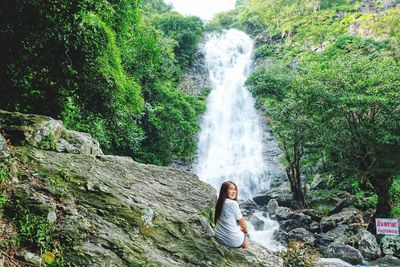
[{"x": 223, "y": 194}]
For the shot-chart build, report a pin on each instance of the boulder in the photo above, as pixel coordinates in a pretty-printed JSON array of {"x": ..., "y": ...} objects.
[
  {"x": 281, "y": 194},
  {"x": 301, "y": 234},
  {"x": 112, "y": 211},
  {"x": 272, "y": 206},
  {"x": 346, "y": 216},
  {"x": 358, "y": 238},
  {"x": 46, "y": 133},
  {"x": 248, "y": 207},
  {"x": 388, "y": 260},
  {"x": 344, "y": 252},
  {"x": 283, "y": 213},
  {"x": 322, "y": 241},
  {"x": 257, "y": 223},
  {"x": 390, "y": 245},
  {"x": 366, "y": 243},
  {"x": 289, "y": 220}
]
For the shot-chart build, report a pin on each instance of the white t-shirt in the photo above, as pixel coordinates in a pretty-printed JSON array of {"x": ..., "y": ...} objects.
[{"x": 227, "y": 231}]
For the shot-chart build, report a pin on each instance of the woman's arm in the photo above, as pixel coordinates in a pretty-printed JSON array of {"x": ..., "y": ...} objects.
[{"x": 243, "y": 225}]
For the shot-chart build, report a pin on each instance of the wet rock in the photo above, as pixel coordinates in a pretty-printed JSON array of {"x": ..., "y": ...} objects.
[
  {"x": 390, "y": 245},
  {"x": 344, "y": 252},
  {"x": 322, "y": 241},
  {"x": 248, "y": 207},
  {"x": 257, "y": 223}
]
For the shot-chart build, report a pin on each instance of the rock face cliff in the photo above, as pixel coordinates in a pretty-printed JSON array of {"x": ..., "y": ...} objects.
[{"x": 71, "y": 205}]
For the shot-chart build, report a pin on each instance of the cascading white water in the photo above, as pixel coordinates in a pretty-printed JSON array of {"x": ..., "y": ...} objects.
[
  {"x": 231, "y": 139},
  {"x": 230, "y": 142}
]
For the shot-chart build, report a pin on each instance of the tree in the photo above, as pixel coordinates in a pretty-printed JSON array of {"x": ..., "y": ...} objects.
[{"x": 353, "y": 95}]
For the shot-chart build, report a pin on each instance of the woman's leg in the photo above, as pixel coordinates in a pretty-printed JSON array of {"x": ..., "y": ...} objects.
[{"x": 245, "y": 244}]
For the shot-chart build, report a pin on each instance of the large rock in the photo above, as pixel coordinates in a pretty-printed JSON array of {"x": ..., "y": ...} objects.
[
  {"x": 301, "y": 234},
  {"x": 390, "y": 245},
  {"x": 272, "y": 206},
  {"x": 388, "y": 260},
  {"x": 344, "y": 252},
  {"x": 45, "y": 133},
  {"x": 112, "y": 211},
  {"x": 281, "y": 194},
  {"x": 357, "y": 237},
  {"x": 366, "y": 243},
  {"x": 196, "y": 78},
  {"x": 346, "y": 216},
  {"x": 289, "y": 220}
]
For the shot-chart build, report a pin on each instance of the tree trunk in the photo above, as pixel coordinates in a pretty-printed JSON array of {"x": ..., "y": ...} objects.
[
  {"x": 293, "y": 172},
  {"x": 384, "y": 207}
]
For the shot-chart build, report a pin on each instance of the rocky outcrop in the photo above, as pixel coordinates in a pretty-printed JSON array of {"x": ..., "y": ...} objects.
[
  {"x": 390, "y": 245},
  {"x": 195, "y": 78},
  {"x": 344, "y": 252},
  {"x": 111, "y": 211},
  {"x": 281, "y": 194},
  {"x": 45, "y": 133}
]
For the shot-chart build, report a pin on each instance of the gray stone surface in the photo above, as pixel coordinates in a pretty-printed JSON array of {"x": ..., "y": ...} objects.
[
  {"x": 46, "y": 133},
  {"x": 388, "y": 260},
  {"x": 117, "y": 212},
  {"x": 346, "y": 216},
  {"x": 344, "y": 252},
  {"x": 282, "y": 195},
  {"x": 272, "y": 206},
  {"x": 390, "y": 245},
  {"x": 301, "y": 234}
]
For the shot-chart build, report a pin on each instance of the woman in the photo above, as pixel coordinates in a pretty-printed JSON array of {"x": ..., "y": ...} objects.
[{"x": 230, "y": 226}]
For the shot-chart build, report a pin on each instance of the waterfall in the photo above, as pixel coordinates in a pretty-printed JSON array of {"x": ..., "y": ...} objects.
[{"x": 230, "y": 143}]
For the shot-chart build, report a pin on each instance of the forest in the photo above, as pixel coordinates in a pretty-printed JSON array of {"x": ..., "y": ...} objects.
[{"x": 109, "y": 68}]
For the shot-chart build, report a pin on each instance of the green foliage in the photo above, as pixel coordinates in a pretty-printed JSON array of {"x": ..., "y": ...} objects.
[
  {"x": 3, "y": 175},
  {"x": 186, "y": 31},
  {"x": 3, "y": 199},
  {"x": 272, "y": 80},
  {"x": 94, "y": 64},
  {"x": 299, "y": 255},
  {"x": 49, "y": 142},
  {"x": 36, "y": 233},
  {"x": 171, "y": 124},
  {"x": 395, "y": 193}
]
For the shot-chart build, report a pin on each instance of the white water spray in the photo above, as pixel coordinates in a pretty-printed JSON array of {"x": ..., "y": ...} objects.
[{"x": 231, "y": 140}]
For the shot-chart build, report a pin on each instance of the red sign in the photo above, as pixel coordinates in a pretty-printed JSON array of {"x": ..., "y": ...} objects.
[{"x": 387, "y": 226}]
